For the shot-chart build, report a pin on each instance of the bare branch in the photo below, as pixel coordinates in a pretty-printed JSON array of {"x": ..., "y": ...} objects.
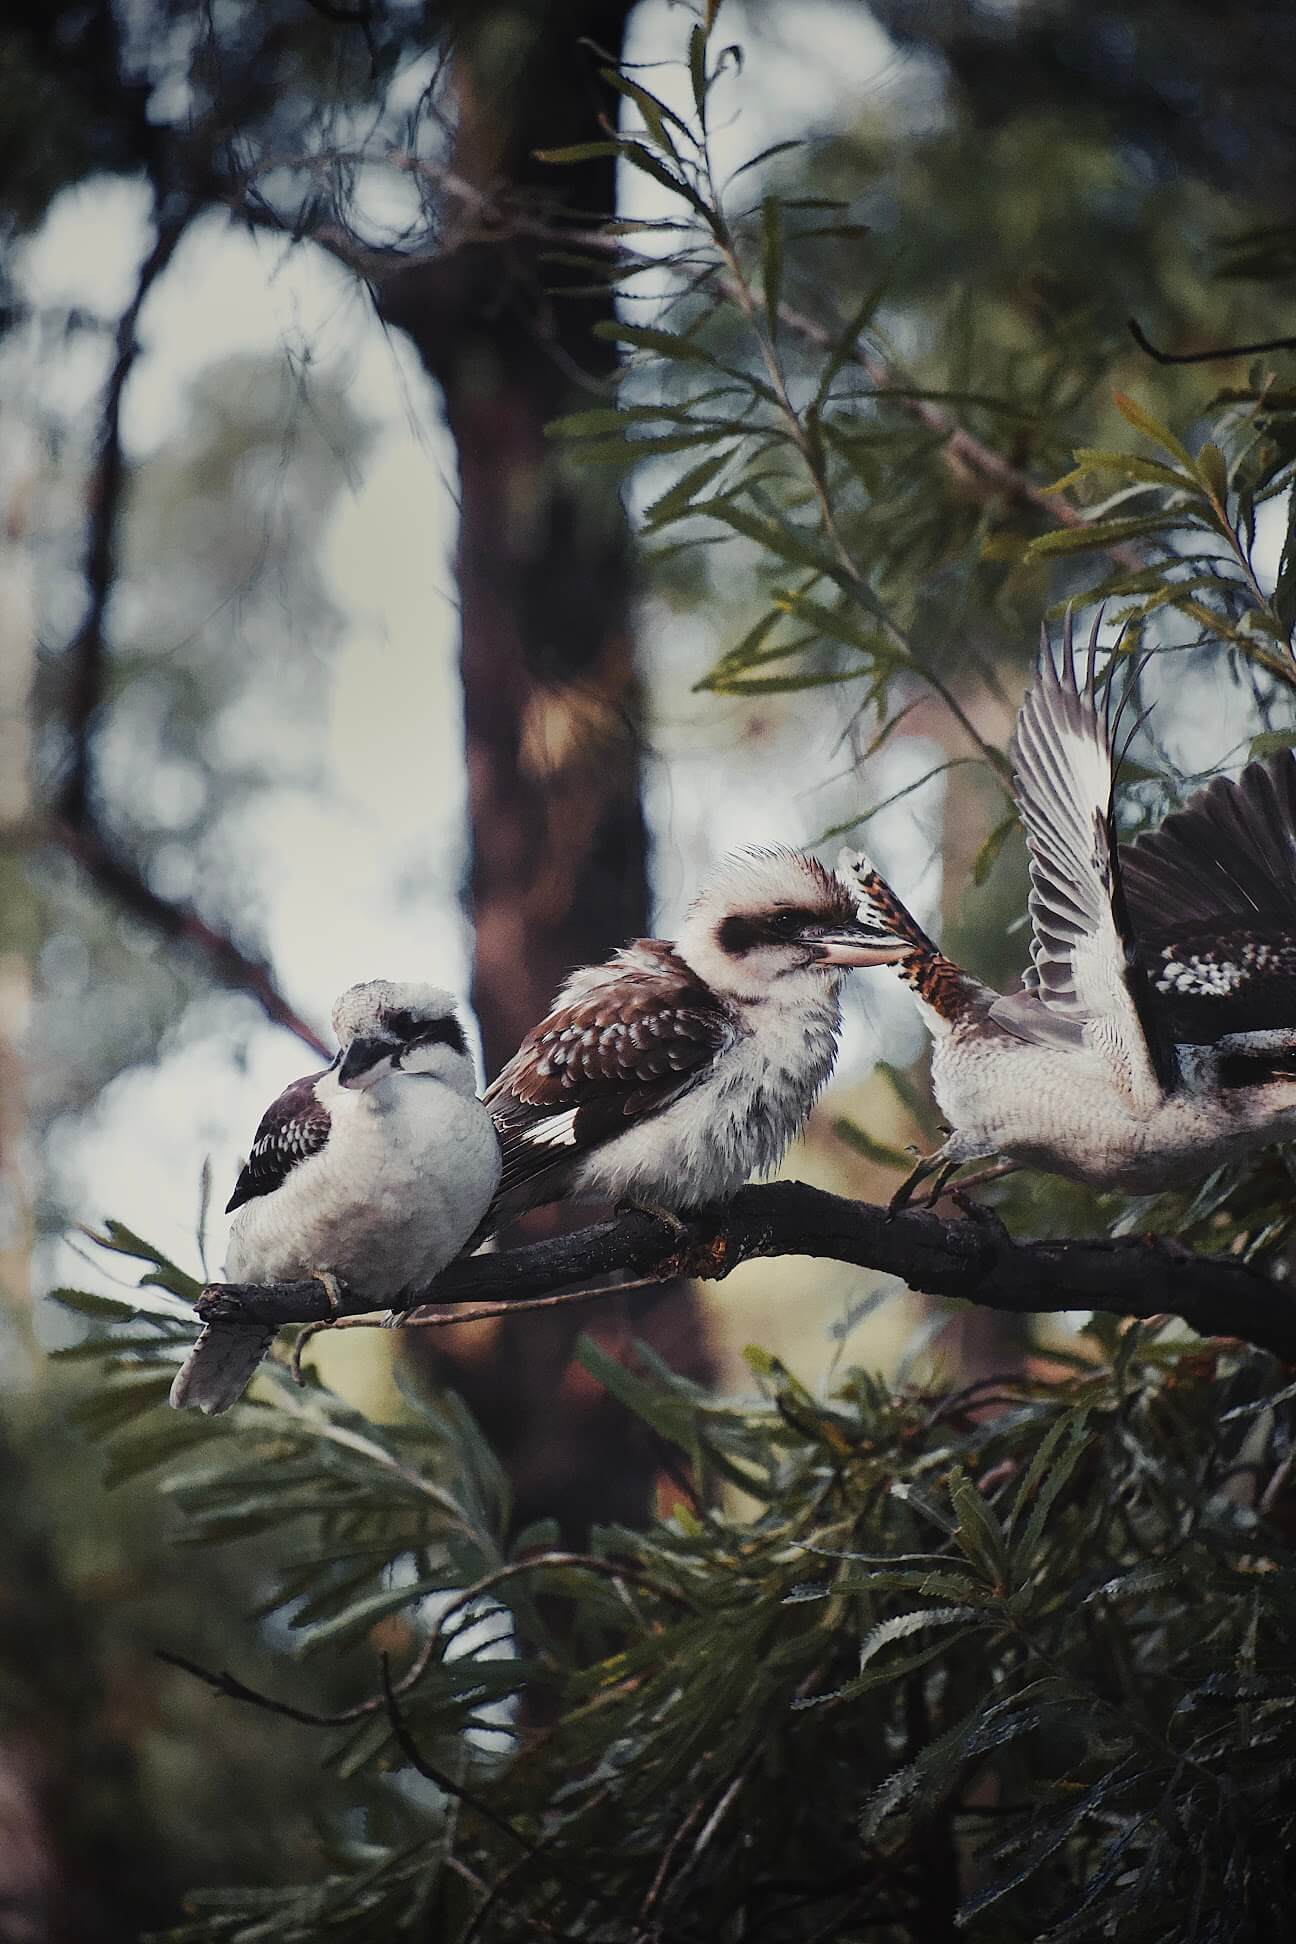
[
  {"x": 86, "y": 653},
  {"x": 977, "y": 1259},
  {"x": 77, "y": 828},
  {"x": 227, "y": 962}
]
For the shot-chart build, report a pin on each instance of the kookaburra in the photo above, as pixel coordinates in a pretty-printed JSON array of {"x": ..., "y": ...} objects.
[
  {"x": 373, "y": 1173},
  {"x": 674, "y": 1072},
  {"x": 1155, "y": 1033}
]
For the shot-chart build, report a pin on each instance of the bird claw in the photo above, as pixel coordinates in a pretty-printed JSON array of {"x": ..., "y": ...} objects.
[
  {"x": 667, "y": 1216},
  {"x": 928, "y": 1164},
  {"x": 984, "y": 1216}
]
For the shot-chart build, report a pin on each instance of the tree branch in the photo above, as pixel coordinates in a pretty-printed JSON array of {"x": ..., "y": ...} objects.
[
  {"x": 86, "y": 653},
  {"x": 77, "y": 828},
  {"x": 229, "y": 965},
  {"x": 975, "y": 1259}
]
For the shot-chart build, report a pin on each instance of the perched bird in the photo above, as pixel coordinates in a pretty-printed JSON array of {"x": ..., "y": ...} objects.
[
  {"x": 1155, "y": 1033},
  {"x": 373, "y": 1173},
  {"x": 669, "y": 1075}
]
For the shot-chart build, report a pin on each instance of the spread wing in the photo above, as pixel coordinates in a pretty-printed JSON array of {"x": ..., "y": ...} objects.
[
  {"x": 1085, "y": 984},
  {"x": 628, "y": 1045},
  {"x": 1212, "y": 894},
  {"x": 295, "y": 1126}
]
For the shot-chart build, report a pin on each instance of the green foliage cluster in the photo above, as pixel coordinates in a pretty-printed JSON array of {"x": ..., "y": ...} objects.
[
  {"x": 1013, "y": 1663},
  {"x": 868, "y": 485}
]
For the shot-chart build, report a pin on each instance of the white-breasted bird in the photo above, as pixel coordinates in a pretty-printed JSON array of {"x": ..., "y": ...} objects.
[
  {"x": 1154, "y": 1036},
  {"x": 373, "y": 1173},
  {"x": 668, "y": 1076}
]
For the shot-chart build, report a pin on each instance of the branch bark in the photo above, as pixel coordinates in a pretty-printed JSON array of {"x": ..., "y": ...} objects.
[{"x": 976, "y": 1259}]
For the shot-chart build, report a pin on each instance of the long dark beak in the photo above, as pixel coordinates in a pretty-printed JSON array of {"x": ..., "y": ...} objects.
[
  {"x": 363, "y": 1056},
  {"x": 853, "y": 945}
]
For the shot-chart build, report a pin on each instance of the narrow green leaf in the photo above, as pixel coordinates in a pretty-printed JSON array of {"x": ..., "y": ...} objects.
[
  {"x": 678, "y": 500},
  {"x": 795, "y": 544},
  {"x": 649, "y": 164},
  {"x": 844, "y": 343},
  {"x": 1100, "y": 533},
  {"x": 840, "y": 625},
  {"x": 1212, "y": 469},
  {"x": 1271, "y": 742},
  {"x": 984, "y": 861},
  {"x": 1142, "y": 421},
  {"x": 698, "y": 72},
  {"x": 1127, "y": 465},
  {"x": 901, "y": 1625},
  {"x": 642, "y": 337},
  {"x": 870, "y": 1149},
  {"x": 578, "y": 152},
  {"x": 764, "y": 155},
  {"x": 1076, "y": 1444},
  {"x": 655, "y": 112},
  {"x": 781, "y": 684},
  {"x": 979, "y": 1533},
  {"x": 613, "y": 419}
]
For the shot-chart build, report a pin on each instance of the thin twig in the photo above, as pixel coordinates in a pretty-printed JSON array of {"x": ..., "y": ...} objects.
[
  {"x": 1144, "y": 343},
  {"x": 446, "y": 1320},
  {"x": 438, "y": 1776}
]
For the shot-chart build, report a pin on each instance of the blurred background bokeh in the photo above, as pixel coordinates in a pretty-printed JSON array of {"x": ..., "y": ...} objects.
[{"x": 318, "y": 662}]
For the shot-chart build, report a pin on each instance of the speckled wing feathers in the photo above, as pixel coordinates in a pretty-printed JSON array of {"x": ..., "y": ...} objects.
[
  {"x": 1212, "y": 894},
  {"x": 632, "y": 1042},
  {"x": 294, "y": 1126}
]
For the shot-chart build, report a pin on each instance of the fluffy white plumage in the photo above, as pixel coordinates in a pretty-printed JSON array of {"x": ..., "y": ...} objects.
[
  {"x": 676, "y": 1071},
  {"x": 375, "y": 1172}
]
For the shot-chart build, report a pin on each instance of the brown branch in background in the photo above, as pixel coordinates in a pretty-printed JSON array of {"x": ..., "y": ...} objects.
[
  {"x": 961, "y": 447},
  {"x": 490, "y": 217},
  {"x": 119, "y": 880},
  {"x": 1144, "y": 343},
  {"x": 977, "y": 1260},
  {"x": 86, "y": 653},
  {"x": 77, "y": 828}
]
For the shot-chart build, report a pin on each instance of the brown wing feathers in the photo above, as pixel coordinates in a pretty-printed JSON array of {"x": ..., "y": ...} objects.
[
  {"x": 294, "y": 1126},
  {"x": 627, "y": 1047}
]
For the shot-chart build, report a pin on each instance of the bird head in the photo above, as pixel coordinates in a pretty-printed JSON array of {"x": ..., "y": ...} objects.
[
  {"x": 385, "y": 1027},
  {"x": 766, "y": 916}
]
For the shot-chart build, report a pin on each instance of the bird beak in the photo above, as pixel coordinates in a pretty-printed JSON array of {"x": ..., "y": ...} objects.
[
  {"x": 850, "y": 945},
  {"x": 366, "y": 1060}
]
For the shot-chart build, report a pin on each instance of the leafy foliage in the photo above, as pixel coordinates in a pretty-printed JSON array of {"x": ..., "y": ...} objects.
[{"x": 1016, "y": 1659}]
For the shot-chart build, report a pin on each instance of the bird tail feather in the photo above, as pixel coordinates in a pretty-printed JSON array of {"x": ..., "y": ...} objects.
[
  {"x": 944, "y": 987},
  {"x": 219, "y": 1368},
  {"x": 881, "y": 911}
]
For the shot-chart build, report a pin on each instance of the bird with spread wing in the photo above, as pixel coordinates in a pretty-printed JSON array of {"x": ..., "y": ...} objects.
[{"x": 1154, "y": 1035}]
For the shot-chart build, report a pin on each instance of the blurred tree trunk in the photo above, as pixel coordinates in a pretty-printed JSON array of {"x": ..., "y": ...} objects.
[{"x": 551, "y": 699}]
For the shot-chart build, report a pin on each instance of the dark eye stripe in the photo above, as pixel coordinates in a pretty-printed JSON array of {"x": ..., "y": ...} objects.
[
  {"x": 744, "y": 931},
  {"x": 426, "y": 1032},
  {"x": 443, "y": 1032}
]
